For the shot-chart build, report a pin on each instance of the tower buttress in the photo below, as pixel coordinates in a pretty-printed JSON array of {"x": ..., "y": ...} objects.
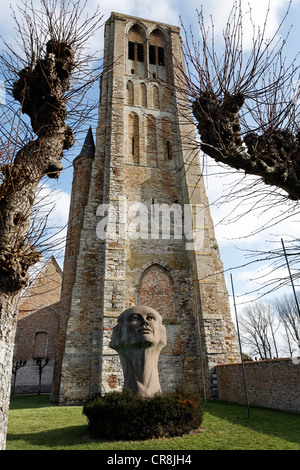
[{"x": 82, "y": 165}]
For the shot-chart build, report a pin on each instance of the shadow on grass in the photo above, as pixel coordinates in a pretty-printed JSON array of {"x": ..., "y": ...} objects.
[
  {"x": 263, "y": 420},
  {"x": 21, "y": 402},
  {"x": 267, "y": 422},
  {"x": 68, "y": 437}
]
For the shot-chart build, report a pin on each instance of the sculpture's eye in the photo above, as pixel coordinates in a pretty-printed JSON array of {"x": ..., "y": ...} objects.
[
  {"x": 134, "y": 317},
  {"x": 151, "y": 317}
]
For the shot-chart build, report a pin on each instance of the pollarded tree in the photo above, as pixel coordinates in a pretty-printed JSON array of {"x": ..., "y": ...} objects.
[
  {"x": 48, "y": 75},
  {"x": 245, "y": 103}
]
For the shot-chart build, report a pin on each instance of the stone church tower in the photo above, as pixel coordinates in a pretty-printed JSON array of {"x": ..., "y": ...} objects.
[{"x": 157, "y": 245}]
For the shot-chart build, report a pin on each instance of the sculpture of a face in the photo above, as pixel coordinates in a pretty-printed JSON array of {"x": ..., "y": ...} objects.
[{"x": 139, "y": 325}]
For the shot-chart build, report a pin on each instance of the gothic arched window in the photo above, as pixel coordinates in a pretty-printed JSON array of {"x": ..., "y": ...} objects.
[
  {"x": 155, "y": 96},
  {"x": 136, "y": 51},
  {"x": 168, "y": 139},
  {"x": 143, "y": 95},
  {"x": 134, "y": 137},
  {"x": 156, "y": 54},
  {"x": 130, "y": 93},
  {"x": 151, "y": 144},
  {"x": 157, "y": 290}
]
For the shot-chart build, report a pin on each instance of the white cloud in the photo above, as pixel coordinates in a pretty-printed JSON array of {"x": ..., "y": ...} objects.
[
  {"x": 58, "y": 200},
  {"x": 54, "y": 204},
  {"x": 163, "y": 11},
  {"x": 248, "y": 219},
  {"x": 220, "y": 11}
]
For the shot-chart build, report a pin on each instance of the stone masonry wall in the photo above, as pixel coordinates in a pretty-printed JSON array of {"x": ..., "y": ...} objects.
[
  {"x": 27, "y": 378},
  {"x": 270, "y": 383}
]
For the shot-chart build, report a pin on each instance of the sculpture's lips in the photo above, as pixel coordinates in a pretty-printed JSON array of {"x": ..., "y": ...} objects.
[{"x": 145, "y": 330}]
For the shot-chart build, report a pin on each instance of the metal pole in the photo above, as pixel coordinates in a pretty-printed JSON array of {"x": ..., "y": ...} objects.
[
  {"x": 200, "y": 347},
  {"x": 239, "y": 338},
  {"x": 292, "y": 282}
]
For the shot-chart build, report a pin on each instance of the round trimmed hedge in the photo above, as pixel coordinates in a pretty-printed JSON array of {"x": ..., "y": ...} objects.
[{"x": 124, "y": 416}]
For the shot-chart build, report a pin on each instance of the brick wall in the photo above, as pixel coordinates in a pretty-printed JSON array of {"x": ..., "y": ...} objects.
[
  {"x": 44, "y": 289},
  {"x": 270, "y": 383},
  {"x": 37, "y": 329},
  {"x": 37, "y": 333}
]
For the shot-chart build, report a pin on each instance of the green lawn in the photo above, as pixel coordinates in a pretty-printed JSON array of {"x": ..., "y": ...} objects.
[{"x": 36, "y": 424}]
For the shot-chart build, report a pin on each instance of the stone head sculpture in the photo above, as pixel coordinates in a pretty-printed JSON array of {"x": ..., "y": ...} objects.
[{"x": 139, "y": 337}]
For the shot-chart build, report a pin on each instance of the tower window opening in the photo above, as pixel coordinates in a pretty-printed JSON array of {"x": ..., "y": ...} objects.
[
  {"x": 161, "y": 56},
  {"x": 135, "y": 51},
  {"x": 140, "y": 52},
  {"x": 132, "y": 146},
  {"x": 152, "y": 55},
  {"x": 131, "y": 50},
  {"x": 156, "y": 55}
]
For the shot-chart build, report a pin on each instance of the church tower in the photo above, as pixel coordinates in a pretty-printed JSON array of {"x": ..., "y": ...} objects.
[{"x": 144, "y": 234}]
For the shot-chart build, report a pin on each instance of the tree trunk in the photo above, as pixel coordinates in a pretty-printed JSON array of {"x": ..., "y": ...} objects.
[
  {"x": 41, "y": 88},
  {"x": 17, "y": 254},
  {"x": 8, "y": 324}
]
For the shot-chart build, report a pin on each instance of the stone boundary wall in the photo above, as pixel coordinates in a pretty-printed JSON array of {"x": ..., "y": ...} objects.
[
  {"x": 273, "y": 383},
  {"x": 27, "y": 379}
]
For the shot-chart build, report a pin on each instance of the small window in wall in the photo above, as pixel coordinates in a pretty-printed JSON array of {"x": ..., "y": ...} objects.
[
  {"x": 113, "y": 301},
  {"x": 169, "y": 150}
]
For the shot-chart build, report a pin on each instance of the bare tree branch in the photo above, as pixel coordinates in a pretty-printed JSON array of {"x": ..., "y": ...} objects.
[{"x": 246, "y": 113}]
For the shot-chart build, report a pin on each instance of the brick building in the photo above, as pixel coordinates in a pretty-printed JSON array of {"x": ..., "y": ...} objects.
[
  {"x": 142, "y": 164},
  {"x": 37, "y": 330}
]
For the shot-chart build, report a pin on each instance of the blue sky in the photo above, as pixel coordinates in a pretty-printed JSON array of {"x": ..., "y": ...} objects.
[{"x": 231, "y": 237}]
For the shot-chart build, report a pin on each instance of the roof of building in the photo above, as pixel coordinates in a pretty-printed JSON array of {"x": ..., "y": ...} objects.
[{"x": 88, "y": 148}]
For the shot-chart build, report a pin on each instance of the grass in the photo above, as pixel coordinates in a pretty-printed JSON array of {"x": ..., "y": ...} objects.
[{"x": 36, "y": 424}]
